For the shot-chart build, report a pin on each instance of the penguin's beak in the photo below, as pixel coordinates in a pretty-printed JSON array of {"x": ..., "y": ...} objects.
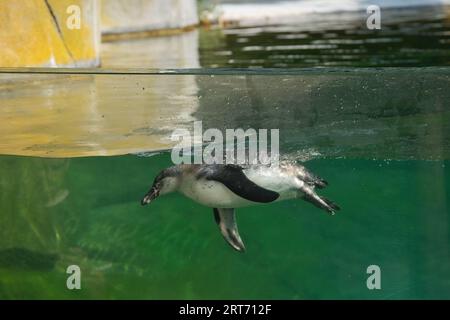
[{"x": 150, "y": 196}]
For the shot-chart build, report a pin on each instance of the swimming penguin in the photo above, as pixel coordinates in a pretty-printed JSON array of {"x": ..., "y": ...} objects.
[{"x": 225, "y": 187}]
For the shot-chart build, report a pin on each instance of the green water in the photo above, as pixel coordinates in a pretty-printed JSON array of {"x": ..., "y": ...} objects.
[{"x": 86, "y": 211}]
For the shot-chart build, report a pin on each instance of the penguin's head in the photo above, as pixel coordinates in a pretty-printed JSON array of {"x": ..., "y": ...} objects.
[{"x": 167, "y": 181}]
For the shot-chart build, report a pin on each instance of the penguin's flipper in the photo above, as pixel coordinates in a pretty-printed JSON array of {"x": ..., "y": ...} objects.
[
  {"x": 226, "y": 220},
  {"x": 235, "y": 180},
  {"x": 318, "y": 201}
]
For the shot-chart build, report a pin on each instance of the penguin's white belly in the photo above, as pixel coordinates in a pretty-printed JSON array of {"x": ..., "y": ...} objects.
[
  {"x": 274, "y": 179},
  {"x": 213, "y": 194}
]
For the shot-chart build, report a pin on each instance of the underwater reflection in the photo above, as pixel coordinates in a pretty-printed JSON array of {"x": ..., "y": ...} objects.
[{"x": 31, "y": 192}]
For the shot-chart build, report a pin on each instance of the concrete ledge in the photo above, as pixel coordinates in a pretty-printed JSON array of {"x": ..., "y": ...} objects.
[{"x": 144, "y": 17}]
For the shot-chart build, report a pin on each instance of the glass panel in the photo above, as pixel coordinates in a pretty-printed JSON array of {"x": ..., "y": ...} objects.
[
  {"x": 380, "y": 113},
  {"x": 78, "y": 154}
]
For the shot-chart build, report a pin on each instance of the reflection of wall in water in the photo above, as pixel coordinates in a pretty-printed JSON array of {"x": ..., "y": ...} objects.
[
  {"x": 120, "y": 16},
  {"x": 60, "y": 115},
  {"x": 364, "y": 114},
  {"x": 168, "y": 52},
  {"x": 32, "y": 191}
]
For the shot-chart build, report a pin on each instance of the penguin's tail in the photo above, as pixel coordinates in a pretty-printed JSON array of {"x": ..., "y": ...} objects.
[
  {"x": 319, "y": 182},
  {"x": 310, "y": 178},
  {"x": 318, "y": 201}
]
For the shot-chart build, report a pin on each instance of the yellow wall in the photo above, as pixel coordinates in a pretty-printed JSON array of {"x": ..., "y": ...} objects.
[{"x": 29, "y": 35}]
